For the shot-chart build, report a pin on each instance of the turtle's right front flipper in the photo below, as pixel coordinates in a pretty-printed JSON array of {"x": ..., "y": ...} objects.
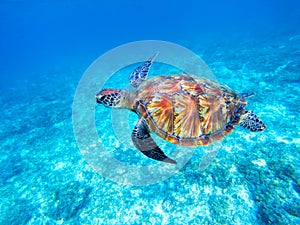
[{"x": 143, "y": 142}]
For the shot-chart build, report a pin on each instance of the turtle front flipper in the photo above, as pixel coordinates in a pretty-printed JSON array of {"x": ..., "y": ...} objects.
[
  {"x": 140, "y": 74},
  {"x": 143, "y": 142},
  {"x": 252, "y": 122}
]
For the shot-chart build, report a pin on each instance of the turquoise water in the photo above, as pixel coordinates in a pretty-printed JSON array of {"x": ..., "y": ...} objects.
[{"x": 255, "y": 178}]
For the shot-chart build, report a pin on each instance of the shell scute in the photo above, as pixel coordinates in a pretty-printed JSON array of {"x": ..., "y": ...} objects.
[
  {"x": 161, "y": 110},
  {"x": 186, "y": 121}
]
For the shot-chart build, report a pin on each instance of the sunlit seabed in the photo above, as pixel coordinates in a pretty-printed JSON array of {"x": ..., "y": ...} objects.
[{"x": 255, "y": 178}]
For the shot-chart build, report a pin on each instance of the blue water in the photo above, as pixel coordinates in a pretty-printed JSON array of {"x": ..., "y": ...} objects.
[{"x": 46, "y": 46}]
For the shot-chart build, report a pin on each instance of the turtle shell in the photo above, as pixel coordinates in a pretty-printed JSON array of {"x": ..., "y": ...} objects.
[{"x": 188, "y": 110}]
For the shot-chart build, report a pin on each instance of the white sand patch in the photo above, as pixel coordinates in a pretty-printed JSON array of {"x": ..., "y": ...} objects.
[
  {"x": 117, "y": 144},
  {"x": 282, "y": 67},
  {"x": 60, "y": 221},
  {"x": 158, "y": 209},
  {"x": 282, "y": 140},
  {"x": 277, "y": 109},
  {"x": 232, "y": 169},
  {"x": 93, "y": 145},
  {"x": 79, "y": 177},
  {"x": 59, "y": 124},
  {"x": 227, "y": 148},
  {"x": 207, "y": 190},
  {"x": 259, "y": 162},
  {"x": 243, "y": 194},
  {"x": 287, "y": 140},
  {"x": 248, "y": 136},
  {"x": 219, "y": 191},
  {"x": 60, "y": 165}
]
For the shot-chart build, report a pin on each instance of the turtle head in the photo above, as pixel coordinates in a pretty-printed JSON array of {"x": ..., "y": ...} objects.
[{"x": 109, "y": 98}]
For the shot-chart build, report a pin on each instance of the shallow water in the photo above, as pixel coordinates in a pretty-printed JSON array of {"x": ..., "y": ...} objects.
[{"x": 255, "y": 178}]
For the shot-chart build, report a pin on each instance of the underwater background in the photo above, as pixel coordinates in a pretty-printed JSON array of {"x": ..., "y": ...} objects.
[{"x": 45, "y": 48}]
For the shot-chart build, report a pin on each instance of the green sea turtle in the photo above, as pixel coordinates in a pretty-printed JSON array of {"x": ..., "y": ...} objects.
[{"x": 183, "y": 109}]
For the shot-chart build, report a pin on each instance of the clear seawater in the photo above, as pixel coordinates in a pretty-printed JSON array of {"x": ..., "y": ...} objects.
[{"x": 45, "y": 47}]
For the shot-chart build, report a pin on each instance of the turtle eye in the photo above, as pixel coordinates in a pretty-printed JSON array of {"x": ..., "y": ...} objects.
[
  {"x": 99, "y": 98},
  {"x": 102, "y": 98}
]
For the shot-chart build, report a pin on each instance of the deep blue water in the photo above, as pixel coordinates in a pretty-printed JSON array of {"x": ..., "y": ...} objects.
[{"x": 45, "y": 48}]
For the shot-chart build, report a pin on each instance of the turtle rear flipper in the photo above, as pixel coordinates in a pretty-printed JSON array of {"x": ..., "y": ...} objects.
[
  {"x": 252, "y": 122},
  {"x": 140, "y": 74},
  {"x": 143, "y": 142}
]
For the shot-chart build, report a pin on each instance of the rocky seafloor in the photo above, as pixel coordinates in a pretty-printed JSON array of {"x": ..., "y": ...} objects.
[{"x": 255, "y": 178}]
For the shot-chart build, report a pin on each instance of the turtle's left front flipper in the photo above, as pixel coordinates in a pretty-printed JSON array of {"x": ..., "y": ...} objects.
[
  {"x": 140, "y": 74},
  {"x": 143, "y": 142},
  {"x": 252, "y": 122}
]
